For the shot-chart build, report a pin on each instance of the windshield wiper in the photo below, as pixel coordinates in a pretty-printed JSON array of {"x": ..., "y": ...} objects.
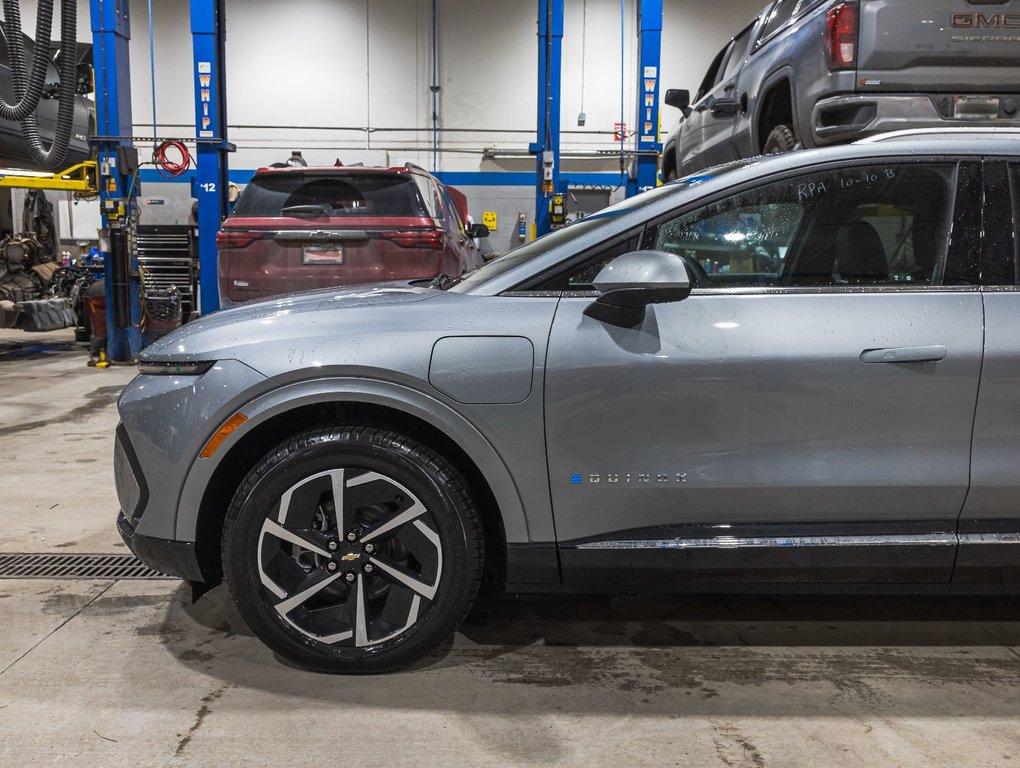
[
  {"x": 443, "y": 282},
  {"x": 315, "y": 209}
]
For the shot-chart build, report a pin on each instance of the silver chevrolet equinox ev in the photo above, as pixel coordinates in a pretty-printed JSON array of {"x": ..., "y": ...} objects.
[{"x": 804, "y": 368}]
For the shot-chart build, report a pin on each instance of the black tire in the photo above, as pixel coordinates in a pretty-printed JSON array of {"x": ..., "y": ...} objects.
[
  {"x": 671, "y": 175},
  {"x": 781, "y": 139},
  {"x": 385, "y": 476}
]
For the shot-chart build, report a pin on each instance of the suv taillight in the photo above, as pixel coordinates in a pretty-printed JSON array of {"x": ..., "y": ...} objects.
[
  {"x": 418, "y": 238},
  {"x": 841, "y": 36},
  {"x": 233, "y": 238}
]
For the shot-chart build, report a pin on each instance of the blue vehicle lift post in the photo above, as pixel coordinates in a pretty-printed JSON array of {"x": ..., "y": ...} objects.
[
  {"x": 118, "y": 187},
  {"x": 210, "y": 183},
  {"x": 547, "y": 146},
  {"x": 646, "y": 162}
]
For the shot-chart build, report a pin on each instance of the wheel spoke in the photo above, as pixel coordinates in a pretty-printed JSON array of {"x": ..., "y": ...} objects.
[
  {"x": 344, "y": 520},
  {"x": 409, "y": 580},
  {"x": 277, "y": 530},
  {"x": 288, "y": 605},
  {"x": 360, "y": 613},
  {"x": 402, "y": 518}
]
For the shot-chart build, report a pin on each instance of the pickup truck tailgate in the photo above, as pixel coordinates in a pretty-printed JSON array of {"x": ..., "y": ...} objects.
[{"x": 948, "y": 46}]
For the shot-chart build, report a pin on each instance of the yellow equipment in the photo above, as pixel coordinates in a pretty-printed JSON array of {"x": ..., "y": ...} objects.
[{"x": 82, "y": 178}]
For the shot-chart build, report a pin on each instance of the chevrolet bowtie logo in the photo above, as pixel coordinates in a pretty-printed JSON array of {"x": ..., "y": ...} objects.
[{"x": 350, "y": 556}]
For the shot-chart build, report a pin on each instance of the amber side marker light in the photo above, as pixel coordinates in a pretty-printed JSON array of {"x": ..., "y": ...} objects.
[{"x": 222, "y": 434}]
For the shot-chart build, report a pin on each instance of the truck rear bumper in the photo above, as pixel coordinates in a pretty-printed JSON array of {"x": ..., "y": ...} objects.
[{"x": 841, "y": 119}]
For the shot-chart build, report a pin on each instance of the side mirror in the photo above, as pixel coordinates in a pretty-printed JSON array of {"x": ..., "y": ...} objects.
[
  {"x": 679, "y": 98},
  {"x": 629, "y": 283},
  {"x": 477, "y": 230}
]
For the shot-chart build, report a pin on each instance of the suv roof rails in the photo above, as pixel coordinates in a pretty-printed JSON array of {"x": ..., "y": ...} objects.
[{"x": 954, "y": 132}]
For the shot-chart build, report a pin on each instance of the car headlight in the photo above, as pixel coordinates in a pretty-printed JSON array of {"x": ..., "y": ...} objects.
[{"x": 175, "y": 369}]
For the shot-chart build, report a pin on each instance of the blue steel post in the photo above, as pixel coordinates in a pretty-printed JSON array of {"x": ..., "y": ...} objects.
[
  {"x": 210, "y": 183},
  {"x": 547, "y": 147},
  {"x": 111, "y": 34},
  {"x": 649, "y": 49}
]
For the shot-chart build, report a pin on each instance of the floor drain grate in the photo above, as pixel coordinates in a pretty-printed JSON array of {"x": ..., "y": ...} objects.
[{"x": 75, "y": 566}]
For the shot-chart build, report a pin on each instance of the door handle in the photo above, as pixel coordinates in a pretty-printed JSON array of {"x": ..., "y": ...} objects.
[{"x": 904, "y": 354}]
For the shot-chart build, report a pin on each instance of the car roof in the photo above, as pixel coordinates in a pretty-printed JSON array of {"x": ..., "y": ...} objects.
[{"x": 324, "y": 169}]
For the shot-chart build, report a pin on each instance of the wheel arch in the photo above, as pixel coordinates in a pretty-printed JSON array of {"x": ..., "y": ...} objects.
[
  {"x": 281, "y": 413},
  {"x": 776, "y": 105}
]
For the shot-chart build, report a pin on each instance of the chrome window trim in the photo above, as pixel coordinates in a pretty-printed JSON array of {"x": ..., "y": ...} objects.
[{"x": 787, "y": 290}]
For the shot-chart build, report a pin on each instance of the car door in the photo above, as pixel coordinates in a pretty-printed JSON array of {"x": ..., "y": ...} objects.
[
  {"x": 695, "y": 128},
  {"x": 990, "y": 520},
  {"x": 805, "y": 413},
  {"x": 723, "y": 107}
]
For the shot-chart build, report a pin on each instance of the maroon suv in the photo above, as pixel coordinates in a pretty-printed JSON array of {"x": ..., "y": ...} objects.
[{"x": 295, "y": 229}]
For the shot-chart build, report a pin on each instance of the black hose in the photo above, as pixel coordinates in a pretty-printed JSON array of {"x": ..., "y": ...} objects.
[
  {"x": 52, "y": 158},
  {"x": 28, "y": 87}
]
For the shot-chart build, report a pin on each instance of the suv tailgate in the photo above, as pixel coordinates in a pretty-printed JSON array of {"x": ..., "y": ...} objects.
[{"x": 948, "y": 46}]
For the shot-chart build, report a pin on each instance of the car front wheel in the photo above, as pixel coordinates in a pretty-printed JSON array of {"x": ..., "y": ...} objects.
[{"x": 353, "y": 549}]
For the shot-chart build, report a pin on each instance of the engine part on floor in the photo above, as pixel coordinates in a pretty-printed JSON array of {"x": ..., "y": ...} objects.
[
  {"x": 36, "y": 293},
  {"x": 47, "y": 315}
]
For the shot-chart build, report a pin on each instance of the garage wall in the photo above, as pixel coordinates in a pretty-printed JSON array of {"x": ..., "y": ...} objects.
[{"x": 316, "y": 74}]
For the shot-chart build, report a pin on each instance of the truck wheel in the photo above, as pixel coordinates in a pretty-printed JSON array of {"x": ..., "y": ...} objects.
[
  {"x": 671, "y": 176},
  {"x": 781, "y": 139},
  {"x": 353, "y": 549}
]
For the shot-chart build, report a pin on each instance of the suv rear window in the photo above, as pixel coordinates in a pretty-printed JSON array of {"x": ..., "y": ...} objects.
[{"x": 350, "y": 194}]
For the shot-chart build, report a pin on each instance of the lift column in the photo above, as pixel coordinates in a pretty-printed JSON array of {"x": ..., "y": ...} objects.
[
  {"x": 111, "y": 34},
  {"x": 209, "y": 186},
  {"x": 646, "y": 162},
  {"x": 547, "y": 147}
]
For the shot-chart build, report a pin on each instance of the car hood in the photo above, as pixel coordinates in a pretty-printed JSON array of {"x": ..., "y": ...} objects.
[{"x": 289, "y": 316}]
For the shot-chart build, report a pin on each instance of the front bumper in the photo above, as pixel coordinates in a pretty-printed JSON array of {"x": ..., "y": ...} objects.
[
  {"x": 841, "y": 119},
  {"x": 174, "y": 558}
]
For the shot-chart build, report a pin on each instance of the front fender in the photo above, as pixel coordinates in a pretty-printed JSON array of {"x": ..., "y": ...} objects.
[{"x": 371, "y": 392}]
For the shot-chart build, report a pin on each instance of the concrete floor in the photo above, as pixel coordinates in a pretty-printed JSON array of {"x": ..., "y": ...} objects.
[{"x": 110, "y": 673}]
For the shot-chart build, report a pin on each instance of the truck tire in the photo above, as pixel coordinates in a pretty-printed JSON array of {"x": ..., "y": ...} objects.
[{"x": 781, "y": 139}]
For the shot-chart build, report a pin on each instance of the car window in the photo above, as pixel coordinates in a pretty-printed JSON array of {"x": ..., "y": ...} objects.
[
  {"x": 429, "y": 193},
  {"x": 350, "y": 194},
  {"x": 458, "y": 224},
  {"x": 1014, "y": 174},
  {"x": 874, "y": 225},
  {"x": 736, "y": 54},
  {"x": 710, "y": 77},
  {"x": 780, "y": 13}
]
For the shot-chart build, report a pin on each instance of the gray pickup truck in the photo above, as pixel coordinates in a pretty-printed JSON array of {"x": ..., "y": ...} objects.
[{"x": 808, "y": 73}]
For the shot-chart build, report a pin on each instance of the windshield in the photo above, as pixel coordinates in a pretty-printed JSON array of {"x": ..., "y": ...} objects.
[
  {"x": 341, "y": 194},
  {"x": 525, "y": 253}
]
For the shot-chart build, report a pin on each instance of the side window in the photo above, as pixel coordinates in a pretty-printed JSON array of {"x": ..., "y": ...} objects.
[
  {"x": 429, "y": 194},
  {"x": 781, "y": 13},
  {"x": 1014, "y": 183},
  {"x": 874, "y": 225},
  {"x": 736, "y": 55},
  {"x": 709, "y": 82},
  {"x": 458, "y": 224},
  {"x": 580, "y": 277}
]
